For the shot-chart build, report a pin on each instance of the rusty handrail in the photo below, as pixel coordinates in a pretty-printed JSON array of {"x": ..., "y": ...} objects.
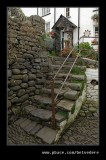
[
  {"x": 66, "y": 58},
  {"x": 52, "y": 84},
  {"x": 53, "y": 98},
  {"x": 67, "y": 75},
  {"x": 53, "y": 104}
]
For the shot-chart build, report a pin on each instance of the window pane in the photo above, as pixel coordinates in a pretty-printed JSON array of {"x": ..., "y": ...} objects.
[
  {"x": 45, "y": 11},
  {"x": 48, "y": 27},
  {"x": 67, "y": 12}
]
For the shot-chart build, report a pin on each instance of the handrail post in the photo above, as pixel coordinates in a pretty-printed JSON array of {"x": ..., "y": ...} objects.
[{"x": 53, "y": 104}]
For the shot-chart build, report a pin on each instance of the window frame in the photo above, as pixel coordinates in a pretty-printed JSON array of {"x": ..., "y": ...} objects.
[
  {"x": 96, "y": 31},
  {"x": 45, "y": 11},
  {"x": 67, "y": 12}
]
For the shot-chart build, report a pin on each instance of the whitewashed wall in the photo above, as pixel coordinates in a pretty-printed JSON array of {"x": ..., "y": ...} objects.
[{"x": 85, "y": 19}]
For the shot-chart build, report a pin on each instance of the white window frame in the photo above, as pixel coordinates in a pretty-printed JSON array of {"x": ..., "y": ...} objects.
[
  {"x": 45, "y": 11},
  {"x": 67, "y": 12},
  {"x": 47, "y": 29}
]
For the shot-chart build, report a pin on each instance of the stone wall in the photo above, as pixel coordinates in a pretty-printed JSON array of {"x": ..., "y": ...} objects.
[
  {"x": 27, "y": 61},
  {"x": 91, "y": 106}
]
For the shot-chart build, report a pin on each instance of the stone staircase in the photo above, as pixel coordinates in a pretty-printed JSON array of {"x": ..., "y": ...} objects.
[{"x": 37, "y": 119}]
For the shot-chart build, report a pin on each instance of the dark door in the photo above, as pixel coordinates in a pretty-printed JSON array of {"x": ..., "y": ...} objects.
[{"x": 62, "y": 40}]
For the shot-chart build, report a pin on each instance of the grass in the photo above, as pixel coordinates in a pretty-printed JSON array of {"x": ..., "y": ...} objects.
[
  {"x": 52, "y": 54},
  {"x": 80, "y": 63},
  {"x": 77, "y": 70},
  {"x": 73, "y": 109},
  {"x": 63, "y": 113}
]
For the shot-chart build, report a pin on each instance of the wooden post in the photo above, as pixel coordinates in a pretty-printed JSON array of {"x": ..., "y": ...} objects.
[{"x": 53, "y": 104}]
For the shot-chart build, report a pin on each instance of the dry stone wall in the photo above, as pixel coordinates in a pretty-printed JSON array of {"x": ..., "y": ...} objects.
[{"x": 27, "y": 61}]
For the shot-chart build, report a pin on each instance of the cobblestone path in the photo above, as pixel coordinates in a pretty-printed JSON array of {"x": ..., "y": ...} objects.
[{"x": 84, "y": 131}]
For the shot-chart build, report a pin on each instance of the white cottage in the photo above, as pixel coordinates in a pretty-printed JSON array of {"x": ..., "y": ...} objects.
[{"x": 75, "y": 20}]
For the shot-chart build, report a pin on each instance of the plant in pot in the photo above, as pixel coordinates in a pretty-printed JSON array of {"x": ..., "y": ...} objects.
[
  {"x": 95, "y": 17},
  {"x": 94, "y": 42}
]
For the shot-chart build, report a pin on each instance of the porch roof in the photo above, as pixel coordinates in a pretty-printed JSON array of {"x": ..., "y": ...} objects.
[{"x": 63, "y": 22}]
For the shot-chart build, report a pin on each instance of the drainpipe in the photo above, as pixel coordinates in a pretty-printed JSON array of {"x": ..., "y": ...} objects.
[
  {"x": 54, "y": 23},
  {"x": 54, "y": 15},
  {"x": 78, "y": 25},
  {"x": 37, "y": 11}
]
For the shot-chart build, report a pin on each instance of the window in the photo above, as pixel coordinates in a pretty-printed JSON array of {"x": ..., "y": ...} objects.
[
  {"x": 45, "y": 11},
  {"x": 96, "y": 32},
  {"x": 67, "y": 12},
  {"x": 47, "y": 27}
]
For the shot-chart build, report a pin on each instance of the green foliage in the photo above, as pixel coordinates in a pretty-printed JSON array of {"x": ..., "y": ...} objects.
[
  {"x": 73, "y": 109},
  {"x": 63, "y": 113},
  {"x": 95, "y": 16},
  {"x": 86, "y": 49},
  {"x": 48, "y": 41},
  {"x": 52, "y": 53},
  {"x": 77, "y": 71}
]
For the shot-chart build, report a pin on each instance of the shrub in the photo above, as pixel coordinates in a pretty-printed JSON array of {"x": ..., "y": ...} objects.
[
  {"x": 52, "y": 53},
  {"x": 85, "y": 47}
]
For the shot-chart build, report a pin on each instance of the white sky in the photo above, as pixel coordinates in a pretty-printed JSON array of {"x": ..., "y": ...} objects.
[{"x": 29, "y": 11}]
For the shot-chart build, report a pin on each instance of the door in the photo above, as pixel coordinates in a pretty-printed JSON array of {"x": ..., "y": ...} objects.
[{"x": 62, "y": 40}]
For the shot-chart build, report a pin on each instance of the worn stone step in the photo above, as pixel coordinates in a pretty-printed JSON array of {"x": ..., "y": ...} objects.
[
  {"x": 63, "y": 58},
  {"x": 29, "y": 108},
  {"x": 42, "y": 114},
  {"x": 35, "y": 129},
  {"x": 66, "y": 68},
  {"x": 47, "y": 135},
  {"x": 71, "y": 95},
  {"x": 59, "y": 117},
  {"x": 61, "y": 76},
  {"x": 60, "y": 63},
  {"x": 25, "y": 123},
  {"x": 19, "y": 121},
  {"x": 58, "y": 84},
  {"x": 41, "y": 99},
  {"x": 56, "y": 90},
  {"x": 29, "y": 126},
  {"x": 78, "y": 77},
  {"x": 66, "y": 105}
]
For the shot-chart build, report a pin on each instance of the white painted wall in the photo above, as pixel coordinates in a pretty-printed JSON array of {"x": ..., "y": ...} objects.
[{"x": 86, "y": 23}]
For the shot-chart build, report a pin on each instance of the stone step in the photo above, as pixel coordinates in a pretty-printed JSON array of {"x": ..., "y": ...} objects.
[
  {"x": 78, "y": 77},
  {"x": 71, "y": 95},
  {"x": 61, "y": 62},
  {"x": 41, "y": 114},
  {"x": 66, "y": 68},
  {"x": 70, "y": 77},
  {"x": 58, "y": 84},
  {"x": 41, "y": 99},
  {"x": 66, "y": 105},
  {"x": 66, "y": 93},
  {"x": 29, "y": 108},
  {"x": 47, "y": 135},
  {"x": 63, "y": 58},
  {"x": 29, "y": 126},
  {"x": 56, "y": 90}
]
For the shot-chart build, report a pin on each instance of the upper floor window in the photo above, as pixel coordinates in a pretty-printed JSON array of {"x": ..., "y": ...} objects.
[
  {"x": 67, "y": 12},
  {"x": 47, "y": 27},
  {"x": 45, "y": 11},
  {"x": 96, "y": 31}
]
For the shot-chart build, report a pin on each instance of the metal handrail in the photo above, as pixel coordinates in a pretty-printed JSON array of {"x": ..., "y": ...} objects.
[
  {"x": 52, "y": 84},
  {"x": 66, "y": 58},
  {"x": 67, "y": 76}
]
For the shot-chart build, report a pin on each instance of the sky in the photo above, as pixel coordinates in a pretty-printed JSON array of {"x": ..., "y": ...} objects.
[{"x": 29, "y": 11}]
